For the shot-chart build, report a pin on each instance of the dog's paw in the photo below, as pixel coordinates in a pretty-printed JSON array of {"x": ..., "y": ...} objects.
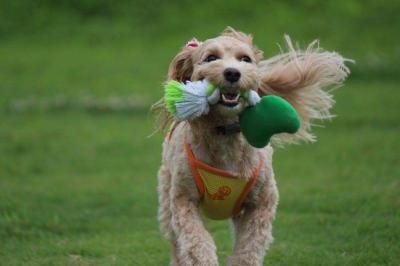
[
  {"x": 244, "y": 260},
  {"x": 202, "y": 253}
]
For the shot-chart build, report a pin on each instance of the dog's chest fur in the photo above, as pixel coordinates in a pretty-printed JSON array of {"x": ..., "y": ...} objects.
[{"x": 227, "y": 152}]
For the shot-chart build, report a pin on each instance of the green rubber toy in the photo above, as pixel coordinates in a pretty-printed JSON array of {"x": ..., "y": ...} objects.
[{"x": 271, "y": 115}]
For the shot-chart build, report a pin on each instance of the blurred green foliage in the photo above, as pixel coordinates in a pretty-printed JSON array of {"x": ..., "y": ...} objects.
[{"x": 366, "y": 31}]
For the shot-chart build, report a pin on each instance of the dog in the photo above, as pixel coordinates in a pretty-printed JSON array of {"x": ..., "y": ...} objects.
[{"x": 212, "y": 142}]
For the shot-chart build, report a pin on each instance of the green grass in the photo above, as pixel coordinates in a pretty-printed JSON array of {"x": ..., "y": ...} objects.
[
  {"x": 78, "y": 187},
  {"x": 81, "y": 187}
]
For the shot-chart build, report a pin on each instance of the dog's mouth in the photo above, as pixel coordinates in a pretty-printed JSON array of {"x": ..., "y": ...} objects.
[{"x": 229, "y": 99}]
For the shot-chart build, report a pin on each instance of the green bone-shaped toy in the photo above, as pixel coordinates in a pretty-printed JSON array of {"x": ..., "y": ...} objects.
[{"x": 271, "y": 115}]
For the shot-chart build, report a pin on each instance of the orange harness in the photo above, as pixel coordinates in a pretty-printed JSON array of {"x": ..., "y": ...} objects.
[{"x": 222, "y": 193}]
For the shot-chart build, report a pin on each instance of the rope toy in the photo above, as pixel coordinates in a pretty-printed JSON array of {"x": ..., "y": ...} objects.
[{"x": 190, "y": 100}]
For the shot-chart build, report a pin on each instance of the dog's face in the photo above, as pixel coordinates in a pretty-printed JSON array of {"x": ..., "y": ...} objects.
[
  {"x": 230, "y": 65},
  {"x": 229, "y": 62}
]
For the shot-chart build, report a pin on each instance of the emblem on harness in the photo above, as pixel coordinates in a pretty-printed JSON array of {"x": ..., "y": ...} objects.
[{"x": 222, "y": 193}]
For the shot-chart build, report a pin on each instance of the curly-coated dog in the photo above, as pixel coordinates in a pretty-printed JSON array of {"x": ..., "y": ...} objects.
[{"x": 199, "y": 151}]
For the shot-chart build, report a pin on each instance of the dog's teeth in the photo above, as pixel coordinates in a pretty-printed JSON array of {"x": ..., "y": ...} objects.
[{"x": 224, "y": 98}]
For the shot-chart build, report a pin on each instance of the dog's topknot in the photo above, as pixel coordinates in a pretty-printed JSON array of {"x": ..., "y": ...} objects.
[{"x": 243, "y": 37}]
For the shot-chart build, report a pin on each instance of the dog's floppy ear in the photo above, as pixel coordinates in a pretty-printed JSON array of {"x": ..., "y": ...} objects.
[
  {"x": 243, "y": 37},
  {"x": 304, "y": 77},
  {"x": 181, "y": 67}
]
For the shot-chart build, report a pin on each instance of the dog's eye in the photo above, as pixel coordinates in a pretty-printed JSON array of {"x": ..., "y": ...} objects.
[
  {"x": 245, "y": 58},
  {"x": 211, "y": 58}
]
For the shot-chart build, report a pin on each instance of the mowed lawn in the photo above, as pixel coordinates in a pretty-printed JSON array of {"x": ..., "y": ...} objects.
[{"x": 78, "y": 187}]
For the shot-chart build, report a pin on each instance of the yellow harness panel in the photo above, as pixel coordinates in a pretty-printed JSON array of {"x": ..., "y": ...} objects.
[{"x": 220, "y": 194}]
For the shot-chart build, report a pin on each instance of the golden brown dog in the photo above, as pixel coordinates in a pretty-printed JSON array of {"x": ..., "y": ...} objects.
[{"x": 233, "y": 64}]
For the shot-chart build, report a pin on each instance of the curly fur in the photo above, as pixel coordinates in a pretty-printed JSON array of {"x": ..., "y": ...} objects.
[{"x": 298, "y": 76}]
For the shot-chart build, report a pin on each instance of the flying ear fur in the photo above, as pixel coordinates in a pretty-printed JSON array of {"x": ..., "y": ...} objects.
[{"x": 304, "y": 77}]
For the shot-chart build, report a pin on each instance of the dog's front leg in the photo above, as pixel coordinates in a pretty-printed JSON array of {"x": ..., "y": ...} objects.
[
  {"x": 253, "y": 230},
  {"x": 196, "y": 246}
]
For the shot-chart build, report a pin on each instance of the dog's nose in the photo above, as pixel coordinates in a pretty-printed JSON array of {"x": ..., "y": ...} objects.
[{"x": 232, "y": 74}]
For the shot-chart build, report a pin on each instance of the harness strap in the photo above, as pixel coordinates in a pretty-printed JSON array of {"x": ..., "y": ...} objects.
[
  {"x": 248, "y": 187},
  {"x": 195, "y": 172},
  {"x": 171, "y": 129}
]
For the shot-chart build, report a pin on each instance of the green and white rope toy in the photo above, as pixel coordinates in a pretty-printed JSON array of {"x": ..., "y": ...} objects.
[{"x": 192, "y": 99}]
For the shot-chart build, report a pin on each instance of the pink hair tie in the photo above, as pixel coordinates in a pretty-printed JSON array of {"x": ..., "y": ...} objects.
[{"x": 193, "y": 43}]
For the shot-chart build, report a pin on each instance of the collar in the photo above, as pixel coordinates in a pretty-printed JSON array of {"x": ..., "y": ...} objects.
[{"x": 229, "y": 129}]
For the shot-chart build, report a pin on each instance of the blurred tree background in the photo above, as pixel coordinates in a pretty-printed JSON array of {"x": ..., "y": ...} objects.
[
  {"x": 131, "y": 42},
  {"x": 78, "y": 173}
]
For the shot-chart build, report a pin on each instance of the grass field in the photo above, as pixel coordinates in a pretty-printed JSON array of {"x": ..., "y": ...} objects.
[
  {"x": 80, "y": 187},
  {"x": 78, "y": 183}
]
